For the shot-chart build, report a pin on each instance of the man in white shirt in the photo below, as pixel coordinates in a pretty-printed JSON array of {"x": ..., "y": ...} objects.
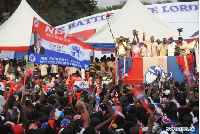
[
  {"x": 171, "y": 46},
  {"x": 43, "y": 69}
]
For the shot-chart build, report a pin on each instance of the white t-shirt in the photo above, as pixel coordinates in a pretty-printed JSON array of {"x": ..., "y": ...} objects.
[
  {"x": 54, "y": 69},
  {"x": 171, "y": 49},
  {"x": 43, "y": 69}
]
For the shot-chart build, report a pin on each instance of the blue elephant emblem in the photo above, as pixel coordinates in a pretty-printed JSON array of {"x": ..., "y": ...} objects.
[
  {"x": 76, "y": 51},
  {"x": 153, "y": 72}
]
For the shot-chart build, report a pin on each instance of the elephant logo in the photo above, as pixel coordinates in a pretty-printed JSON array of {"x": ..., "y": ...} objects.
[
  {"x": 153, "y": 72},
  {"x": 32, "y": 58},
  {"x": 83, "y": 85},
  {"x": 36, "y": 23},
  {"x": 76, "y": 52}
]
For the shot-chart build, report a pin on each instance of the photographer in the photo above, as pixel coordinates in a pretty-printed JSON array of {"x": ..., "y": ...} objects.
[
  {"x": 121, "y": 47},
  {"x": 182, "y": 47}
]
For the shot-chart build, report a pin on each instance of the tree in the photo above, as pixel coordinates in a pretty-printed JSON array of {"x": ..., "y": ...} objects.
[
  {"x": 109, "y": 8},
  {"x": 185, "y": 0},
  {"x": 146, "y": 2},
  {"x": 163, "y": 2},
  {"x": 66, "y": 11},
  {"x": 55, "y": 12}
]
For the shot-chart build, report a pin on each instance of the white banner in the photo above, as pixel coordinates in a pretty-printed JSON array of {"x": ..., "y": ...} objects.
[{"x": 176, "y": 15}]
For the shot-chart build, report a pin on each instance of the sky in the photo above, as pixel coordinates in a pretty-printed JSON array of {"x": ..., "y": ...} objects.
[{"x": 105, "y": 3}]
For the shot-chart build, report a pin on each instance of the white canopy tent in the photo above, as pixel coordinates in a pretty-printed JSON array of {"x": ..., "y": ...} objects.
[
  {"x": 15, "y": 33},
  {"x": 134, "y": 15}
]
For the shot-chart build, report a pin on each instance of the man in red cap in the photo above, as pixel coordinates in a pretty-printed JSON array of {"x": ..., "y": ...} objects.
[{"x": 171, "y": 46}]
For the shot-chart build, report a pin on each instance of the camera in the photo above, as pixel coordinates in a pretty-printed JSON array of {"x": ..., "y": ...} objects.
[
  {"x": 126, "y": 39},
  {"x": 134, "y": 32}
]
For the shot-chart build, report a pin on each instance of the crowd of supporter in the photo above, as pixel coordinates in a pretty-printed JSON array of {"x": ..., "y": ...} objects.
[
  {"x": 41, "y": 110},
  {"x": 47, "y": 106}
]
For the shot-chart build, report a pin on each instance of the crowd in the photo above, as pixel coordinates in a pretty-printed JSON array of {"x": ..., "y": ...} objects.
[
  {"x": 103, "y": 108},
  {"x": 48, "y": 105}
]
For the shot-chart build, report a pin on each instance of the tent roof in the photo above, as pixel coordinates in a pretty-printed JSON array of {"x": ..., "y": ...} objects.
[
  {"x": 15, "y": 33},
  {"x": 134, "y": 15}
]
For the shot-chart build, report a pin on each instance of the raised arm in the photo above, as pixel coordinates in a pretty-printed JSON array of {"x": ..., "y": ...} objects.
[
  {"x": 138, "y": 41},
  {"x": 82, "y": 106},
  {"x": 150, "y": 124},
  {"x": 108, "y": 120},
  {"x": 144, "y": 34},
  {"x": 53, "y": 110}
]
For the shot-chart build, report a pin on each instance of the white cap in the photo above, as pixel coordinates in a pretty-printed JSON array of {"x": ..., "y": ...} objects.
[{"x": 2, "y": 88}]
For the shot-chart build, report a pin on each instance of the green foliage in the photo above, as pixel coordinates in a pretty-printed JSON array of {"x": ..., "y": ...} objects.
[
  {"x": 163, "y": 2},
  {"x": 55, "y": 12},
  {"x": 109, "y": 8},
  {"x": 146, "y": 2},
  {"x": 186, "y": 0},
  {"x": 66, "y": 11}
]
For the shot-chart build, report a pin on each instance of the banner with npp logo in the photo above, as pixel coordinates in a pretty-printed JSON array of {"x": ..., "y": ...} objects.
[{"x": 52, "y": 46}]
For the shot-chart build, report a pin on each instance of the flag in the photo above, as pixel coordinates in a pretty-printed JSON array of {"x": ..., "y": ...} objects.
[
  {"x": 147, "y": 69},
  {"x": 118, "y": 111},
  {"x": 124, "y": 65},
  {"x": 79, "y": 83},
  {"x": 50, "y": 45},
  {"x": 141, "y": 97},
  {"x": 25, "y": 79}
]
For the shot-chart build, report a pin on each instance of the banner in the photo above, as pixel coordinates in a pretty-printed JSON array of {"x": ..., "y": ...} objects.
[
  {"x": 146, "y": 69},
  {"x": 171, "y": 13},
  {"x": 7, "y": 55},
  {"x": 52, "y": 46}
]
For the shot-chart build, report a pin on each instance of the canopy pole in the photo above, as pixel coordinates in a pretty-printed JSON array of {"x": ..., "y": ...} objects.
[{"x": 107, "y": 17}]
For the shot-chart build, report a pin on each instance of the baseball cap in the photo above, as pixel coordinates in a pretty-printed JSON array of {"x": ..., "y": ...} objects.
[
  {"x": 170, "y": 38},
  {"x": 2, "y": 87}
]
